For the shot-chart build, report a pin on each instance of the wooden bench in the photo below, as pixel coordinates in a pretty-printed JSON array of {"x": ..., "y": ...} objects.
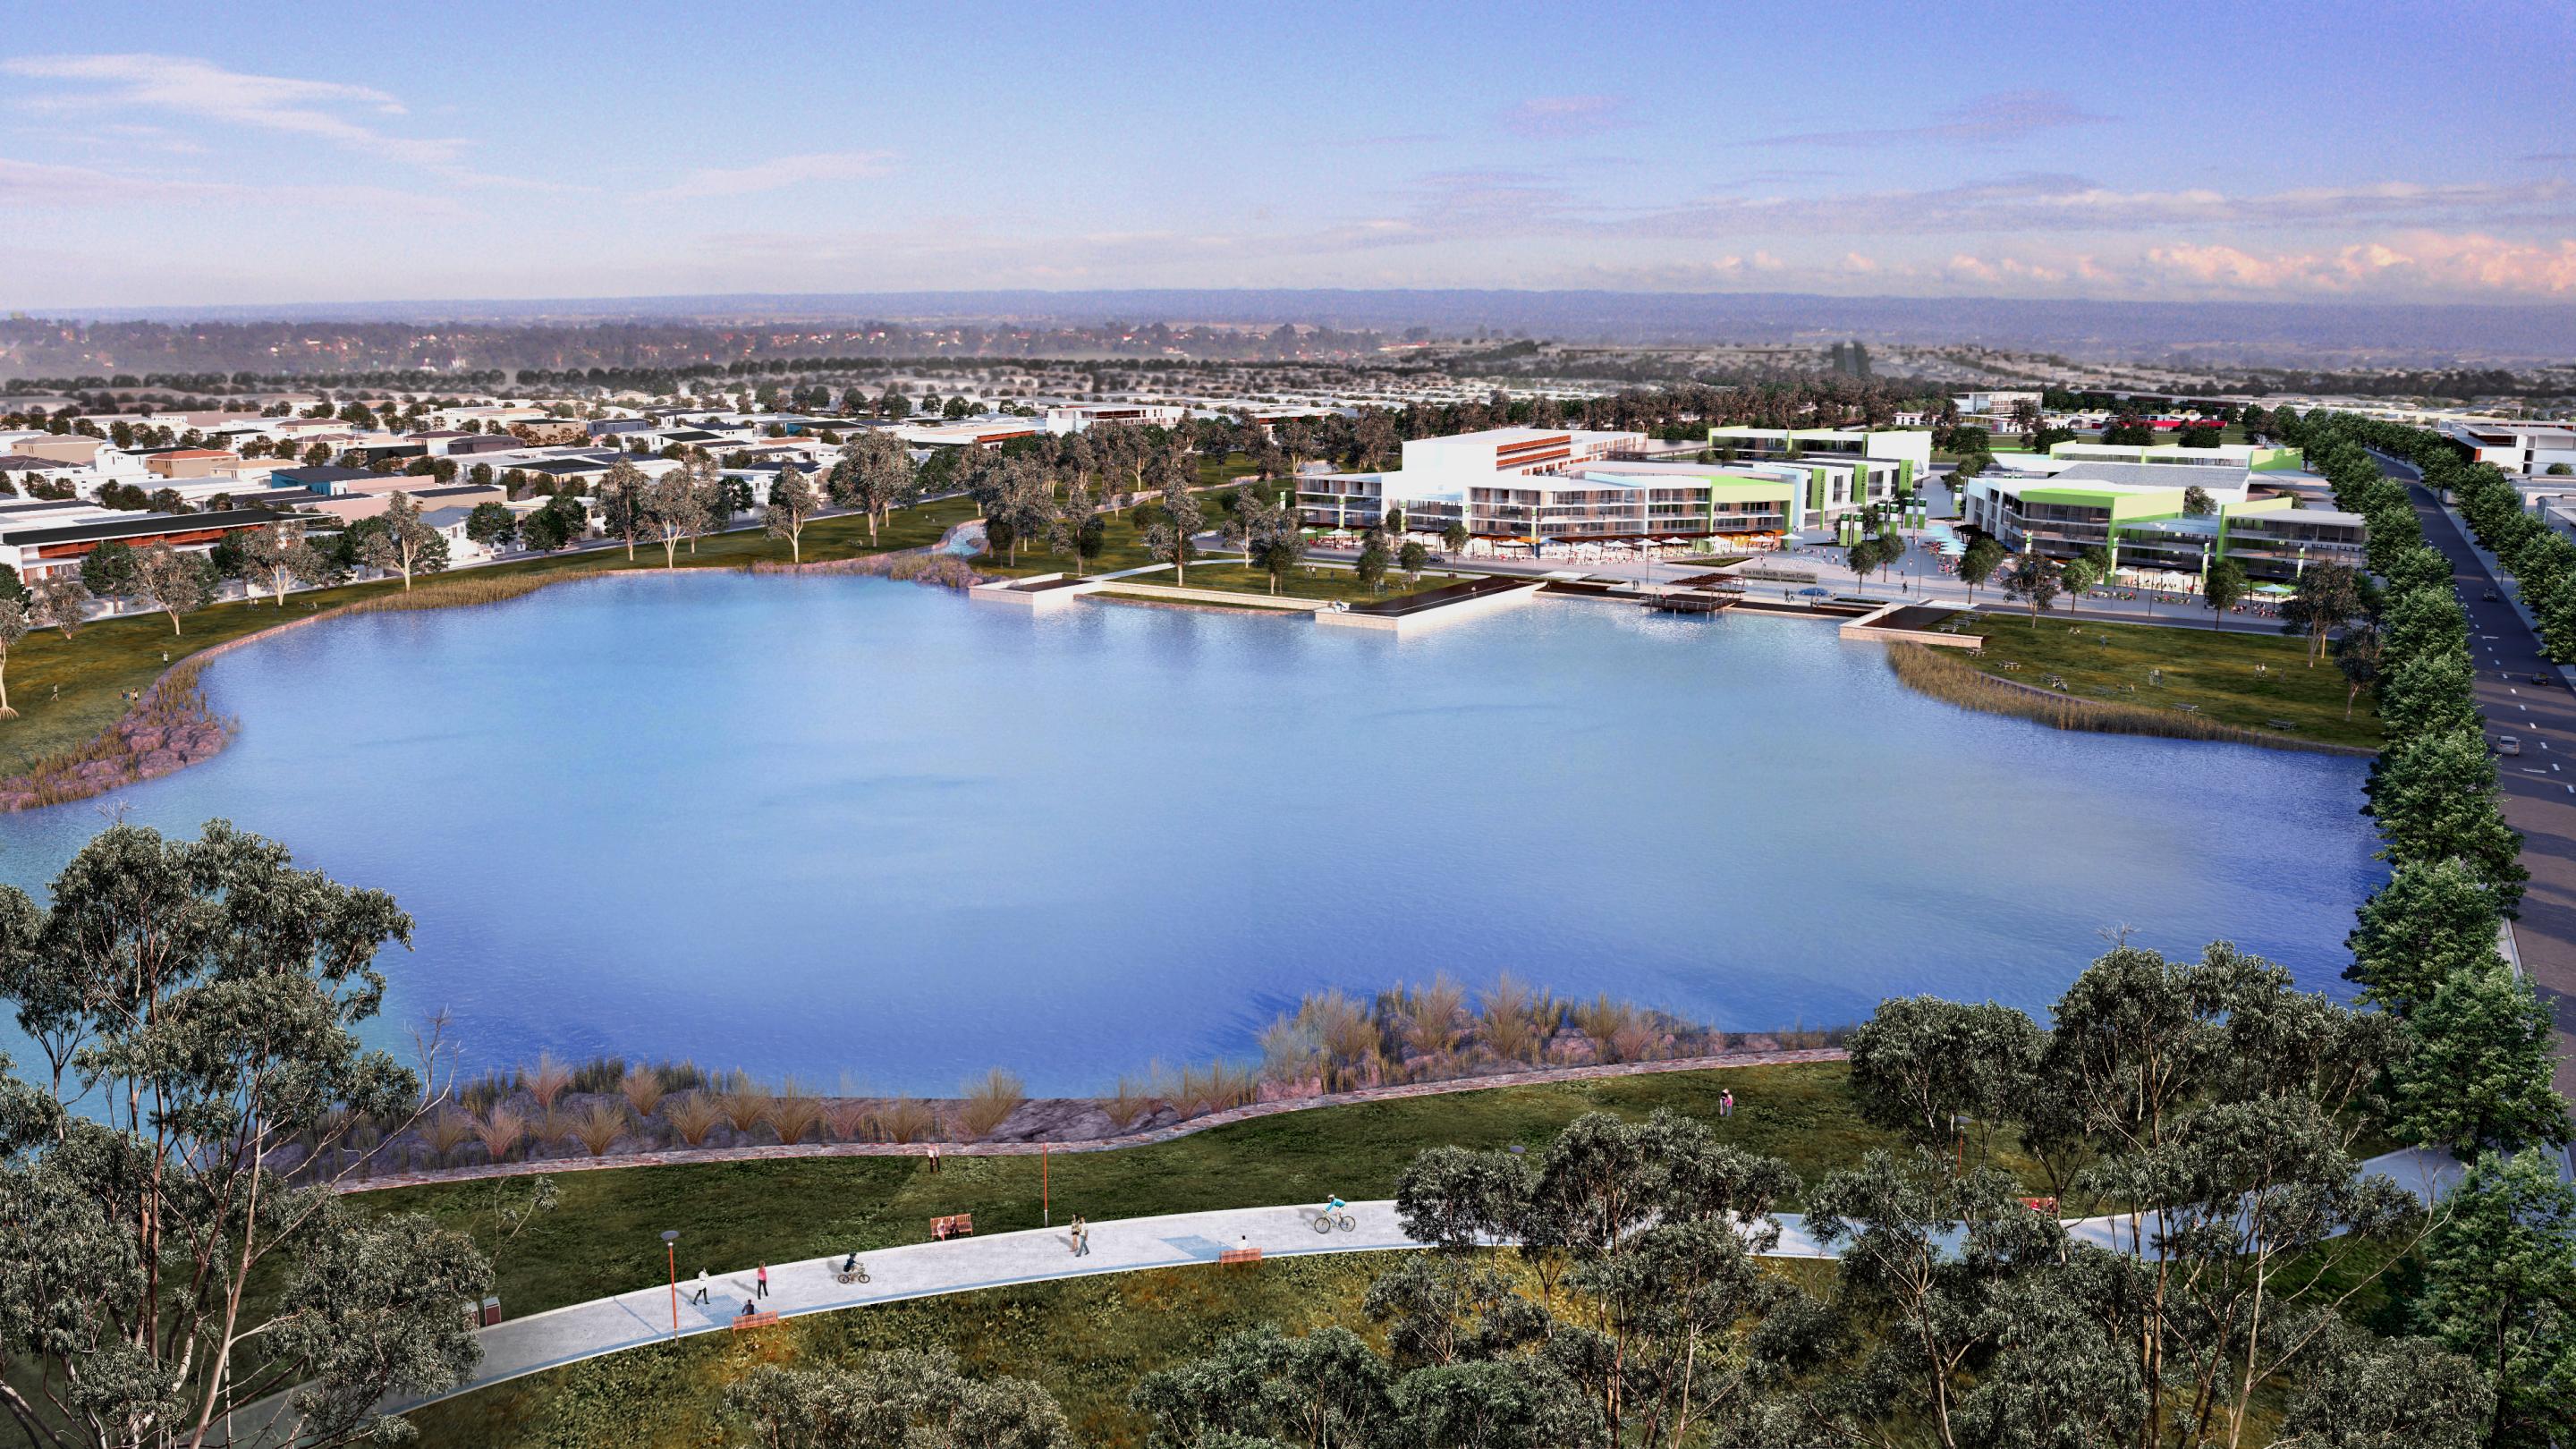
[
  {"x": 742, "y": 1321},
  {"x": 1238, "y": 1257},
  {"x": 959, "y": 1225}
]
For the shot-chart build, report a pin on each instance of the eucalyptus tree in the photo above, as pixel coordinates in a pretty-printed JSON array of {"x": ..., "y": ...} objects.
[
  {"x": 1372, "y": 563},
  {"x": 874, "y": 474},
  {"x": 1077, "y": 530},
  {"x": 400, "y": 543},
  {"x": 2327, "y": 597},
  {"x": 160, "y": 1270},
  {"x": 1978, "y": 562},
  {"x": 2032, "y": 581},
  {"x": 14, "y": 623},
  {"x": 2222, "y": 584},
  {"x": 173, "y": 582},
  {"x": 1177, "y": 519},
  {"x": 673, "y": 508},
  {"x": 281, "y": 557},
  {"x": 793, "y": 501},
  {"x": 62, "y": 601},
  {"x": 621, "y": 503}
]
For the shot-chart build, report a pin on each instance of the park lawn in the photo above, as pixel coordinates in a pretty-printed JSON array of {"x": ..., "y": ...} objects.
[
  {"x": 600, "y": 1240},
  {"x": 66, "y": 693},
  {"x": 2207, "y": 667}
]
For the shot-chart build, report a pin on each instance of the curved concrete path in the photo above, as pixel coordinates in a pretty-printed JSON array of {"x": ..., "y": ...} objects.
[{"x": 963, "y": 1265}]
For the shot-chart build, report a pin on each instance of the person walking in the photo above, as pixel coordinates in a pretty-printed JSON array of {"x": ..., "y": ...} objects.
[
  {"x": 760, "y": 1284},
  {"x": 701, "y": 1295},
  {"x": 1074, "y": 1236},
  {"x": 1083, "y": 1250},
  {"x": 1726, "y": 1103},
  {"x": 934, "y": 1159}
]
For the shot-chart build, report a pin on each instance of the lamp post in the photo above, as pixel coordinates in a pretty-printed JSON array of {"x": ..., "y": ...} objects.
[{"x": 671, "y": 1251}]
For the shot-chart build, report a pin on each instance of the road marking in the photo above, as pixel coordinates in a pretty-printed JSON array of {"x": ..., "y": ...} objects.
[{"x": 2516, "y": 691}]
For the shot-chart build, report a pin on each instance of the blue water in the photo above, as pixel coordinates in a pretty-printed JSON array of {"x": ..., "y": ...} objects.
[{"x": 844, "y": 826}]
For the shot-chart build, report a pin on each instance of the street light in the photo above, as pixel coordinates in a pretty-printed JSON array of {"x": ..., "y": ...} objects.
[{"x": 671, "y": 1250}]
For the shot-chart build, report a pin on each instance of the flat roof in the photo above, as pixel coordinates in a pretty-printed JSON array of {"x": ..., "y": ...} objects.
[{"x": 141, "y": 525}]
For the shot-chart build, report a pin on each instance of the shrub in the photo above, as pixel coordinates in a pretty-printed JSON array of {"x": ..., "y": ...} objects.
[
  {"x": 502, "y": 1128},
  {"x": 693, "y": 1117},
  {"x": 990, "y": 1102}
]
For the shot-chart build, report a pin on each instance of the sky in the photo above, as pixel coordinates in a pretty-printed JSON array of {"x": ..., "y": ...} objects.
[{"x": 282, "y": 153}]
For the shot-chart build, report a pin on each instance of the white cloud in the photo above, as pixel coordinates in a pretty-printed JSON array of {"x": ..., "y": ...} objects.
[
  {"x": 1547, "y": 117},
  {"x": 350, "y": 117},
  {"x": 1986, "y": 121},
  {"x": 781, "y": 173}
]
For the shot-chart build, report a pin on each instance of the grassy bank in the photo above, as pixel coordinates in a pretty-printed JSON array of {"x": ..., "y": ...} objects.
[
  {"x": 2242, "y": 681},
  {"x": 1945, "y": 675},
  {"x": 70, "y": 691},
  {"x": 605, "y": 1236},
  {"x": 1087, "y": 1341},
  {"x": 1306, "y": 582}
]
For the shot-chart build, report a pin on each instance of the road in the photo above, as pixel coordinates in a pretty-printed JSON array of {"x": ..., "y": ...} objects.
[{"x": 2540, "y": 784}]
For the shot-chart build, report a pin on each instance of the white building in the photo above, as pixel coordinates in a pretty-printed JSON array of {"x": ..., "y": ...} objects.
[
  {"x": 2514, "y": 447},
  {"x": 1078, "y": 417}
]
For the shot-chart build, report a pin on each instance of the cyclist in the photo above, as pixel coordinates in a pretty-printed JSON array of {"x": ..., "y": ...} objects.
[{"x": 1333, "y": 1205}]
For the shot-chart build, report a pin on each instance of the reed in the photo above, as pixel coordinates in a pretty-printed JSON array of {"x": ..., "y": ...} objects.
[
  {"x": 600, "y": 1127},
  {"x": 1341, "y": 1026},
  {"x": 1289, "y": 1051},
  {"x": 693, "y": 1117},
  {"x": 546, "y": 1081},
  {"x": 1609, "y": 1023},
  {"x": 502, "y": 1128},
  {"x": 644, "y": 1091},
  {"x": 1633, "y": 1042},
  {"x": 989, "y": 1102},
  {"x": 794, "y": 1115},
  {"x": 907, "y": 1119},
  {"x": 1943, "y": 675},
  {"x": 599, "y": 1076}
]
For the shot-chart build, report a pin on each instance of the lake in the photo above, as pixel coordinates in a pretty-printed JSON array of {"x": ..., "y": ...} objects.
[{"x": 863, "y": 830}]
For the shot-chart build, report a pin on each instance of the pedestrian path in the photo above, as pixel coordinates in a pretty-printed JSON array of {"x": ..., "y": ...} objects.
[
  {"x": 660, "y": 1314},
  {"x": 1178, "y": 1240}
]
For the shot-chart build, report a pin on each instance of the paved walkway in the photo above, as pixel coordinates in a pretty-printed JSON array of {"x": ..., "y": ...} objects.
[{"x": 963, "y": 1265}]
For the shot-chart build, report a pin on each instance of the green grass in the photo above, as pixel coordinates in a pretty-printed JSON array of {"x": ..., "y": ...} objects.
[
  {"x": 1086, "y": 1340},
  {"x": 68, "y": 692},
  {"x": 1305, "y": 582},
  {"x": 2210, "y": 668},
  {"x": 601, "y": 1240}
]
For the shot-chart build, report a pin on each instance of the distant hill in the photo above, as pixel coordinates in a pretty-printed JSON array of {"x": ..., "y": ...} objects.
[{"x": 2285, "y": 333}]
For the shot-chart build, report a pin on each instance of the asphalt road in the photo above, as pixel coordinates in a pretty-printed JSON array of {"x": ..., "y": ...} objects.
[{"x": 2540, "y": 783}]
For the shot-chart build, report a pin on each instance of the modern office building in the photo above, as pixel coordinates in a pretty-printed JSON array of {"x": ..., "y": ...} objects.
[
  {"x": 2240, "y": 457},
  {"x": 1543, "y": 485},
  {"x": 2514, "y": 447},
  {"x": 1080, "y": 417},
  {"x": 2141, "y": 515}
]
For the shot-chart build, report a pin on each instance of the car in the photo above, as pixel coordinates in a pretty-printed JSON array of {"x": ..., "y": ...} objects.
[
  {"x": 2489, "y": 596},
  {"x": 1815, "y": 593},
  {"x": 2508, "y": 745},
  {"x": 2544, "y": 680}
]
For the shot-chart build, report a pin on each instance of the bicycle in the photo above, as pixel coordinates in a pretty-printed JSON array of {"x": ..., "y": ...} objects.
[{"x": 1326, "y": 1222}]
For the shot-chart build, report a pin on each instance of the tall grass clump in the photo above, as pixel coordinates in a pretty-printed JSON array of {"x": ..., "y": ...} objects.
[
  {"x": 1431, "y": 1016},
  {"x": 446, "y": 1132},
  {"x": 547, "y": 1081},
  {"x": 1507, "y": 1016},
  {"x": 644, "y": 1091},
  {"x": 794, "y": 1115},
  {"x": 1943, "y": 675},
  {"x": 600, "y": 1127},
  {"x": 989, "y": 1102},
  {"x": 745, "y": 1104},
  {"x": 694, "y": 1117},
  {"x": 502, "y": 1129},
  {"x": 907, "y": 1119},
  {"x": 846, "y": 1118},
  {"x": 1129, "y": 1102}
]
